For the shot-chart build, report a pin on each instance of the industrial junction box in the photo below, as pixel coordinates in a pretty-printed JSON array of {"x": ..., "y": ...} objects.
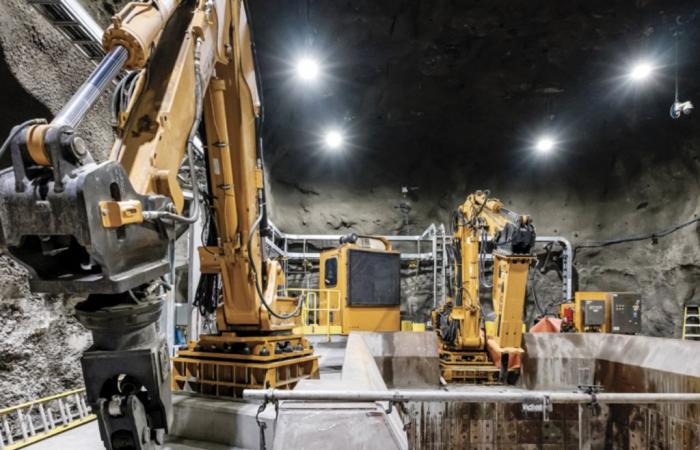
[{"x": 607, "y": 312}]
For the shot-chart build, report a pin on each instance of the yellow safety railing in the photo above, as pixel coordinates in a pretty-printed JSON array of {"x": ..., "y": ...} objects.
[
  {"x": 30, "y": 422},
  {"x": 320, "y": 311}
]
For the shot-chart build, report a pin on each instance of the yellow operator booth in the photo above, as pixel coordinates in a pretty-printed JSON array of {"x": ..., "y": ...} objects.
[{"x": 366, "y": 273}]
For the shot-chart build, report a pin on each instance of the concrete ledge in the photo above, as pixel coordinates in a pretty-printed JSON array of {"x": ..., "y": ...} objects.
[
  {"x": 226, "y": 422},
  {"x": 405, "y": 359},
  {"x": 318, "y": 425},
  {"x": 554, "y": 360}
]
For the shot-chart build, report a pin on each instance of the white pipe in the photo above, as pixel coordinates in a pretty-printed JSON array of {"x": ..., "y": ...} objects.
[
  {"x": 435, "y": 259},
  {"x": 193, "y": 276},
  {"x": 425, "y": 236},
  {"x": 316, "y": 255},
  {"x": 431, "y": 395}
]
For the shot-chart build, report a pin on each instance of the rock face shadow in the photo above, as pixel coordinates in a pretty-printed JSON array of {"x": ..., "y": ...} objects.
[{"x": 17, "y": 104}]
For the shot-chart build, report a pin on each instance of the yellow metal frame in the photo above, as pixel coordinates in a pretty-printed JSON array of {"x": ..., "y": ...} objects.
[
  {"x": 221, "y": 362},
  {"x": 473, "y": 367},
  {"x": 319, "y": 302},
  {"x": 228, "y": 378},
  {"x": 58, "y": 428}
]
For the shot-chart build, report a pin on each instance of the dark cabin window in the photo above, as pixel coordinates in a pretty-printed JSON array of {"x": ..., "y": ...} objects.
[{"x": 331, "y": 272}]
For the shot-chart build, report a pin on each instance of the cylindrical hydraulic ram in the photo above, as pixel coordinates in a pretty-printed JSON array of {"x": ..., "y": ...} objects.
[
  {"x": 77, "y": 107},
  {"x": 557, "y": 397}
]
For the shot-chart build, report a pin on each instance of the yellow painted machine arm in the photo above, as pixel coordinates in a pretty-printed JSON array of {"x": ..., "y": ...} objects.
[
  {"x": 106, "y": 229},
  {"x": 482, "y": 227}
]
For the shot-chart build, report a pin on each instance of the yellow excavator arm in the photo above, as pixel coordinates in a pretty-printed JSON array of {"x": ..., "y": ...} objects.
[
  {"x": 484, "y": 227},
  {"x": 106, "y": 230}
]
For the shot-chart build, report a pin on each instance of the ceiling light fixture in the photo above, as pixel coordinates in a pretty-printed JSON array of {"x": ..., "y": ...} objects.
[
  {"x": 307, "y": 69},
  {"x": 333, "y": 139},
  {"x": 545, "y": 144},
  {"x": 641, "y": 71}
]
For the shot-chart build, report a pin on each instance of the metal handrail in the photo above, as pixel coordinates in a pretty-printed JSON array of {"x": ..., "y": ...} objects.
[
  {"x": 501, "y": 396},
  {"x": 313, "y": 304}
]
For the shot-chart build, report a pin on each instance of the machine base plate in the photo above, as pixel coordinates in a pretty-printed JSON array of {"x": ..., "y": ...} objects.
[{"x": 225, "y": 365}]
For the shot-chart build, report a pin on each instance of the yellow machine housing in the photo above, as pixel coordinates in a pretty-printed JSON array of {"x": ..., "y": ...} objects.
[{"x": 366, "y": 272}]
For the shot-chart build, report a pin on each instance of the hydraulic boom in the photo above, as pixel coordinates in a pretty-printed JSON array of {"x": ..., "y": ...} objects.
[
  {"x": 106, "y": 230},
  {"x": 471, "y": 350}
]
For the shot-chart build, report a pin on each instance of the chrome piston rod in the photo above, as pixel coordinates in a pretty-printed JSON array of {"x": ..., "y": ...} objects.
[
  {"x": 77, "y": 107},
  {"x": 555, "y": 397}
]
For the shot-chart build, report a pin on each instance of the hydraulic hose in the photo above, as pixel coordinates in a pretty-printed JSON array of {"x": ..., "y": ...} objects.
[
  {"x": 653, "y": 236},
  {"x": 254, "y": 269},
  {"x": 483, "y": 240},
  {"x": 260, "y": 120}
]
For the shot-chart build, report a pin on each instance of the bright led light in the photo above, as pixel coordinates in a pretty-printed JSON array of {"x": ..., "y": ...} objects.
[
  {"x": 545, "y": 144},
  {"x": 307, "y": 69},
  {"x": 333, "y": 139},
  {"x": 641, "y": 71}
]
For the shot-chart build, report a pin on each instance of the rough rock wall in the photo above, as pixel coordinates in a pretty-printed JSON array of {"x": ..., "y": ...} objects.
[{"x": 40, "y": 340}]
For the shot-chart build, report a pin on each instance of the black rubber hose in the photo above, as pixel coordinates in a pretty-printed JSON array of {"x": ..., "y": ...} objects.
[
  {"x": 659, "y": 234},
  {"x": 254, "y": 269}
]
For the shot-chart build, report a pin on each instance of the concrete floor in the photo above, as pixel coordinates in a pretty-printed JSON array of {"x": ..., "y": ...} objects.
[{"x": 87, "y": 437}]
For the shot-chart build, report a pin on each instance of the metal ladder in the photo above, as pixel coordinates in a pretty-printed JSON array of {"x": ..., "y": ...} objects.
[
  {"x": 34, "y": 421},
  {"x": 71, "y": 19},
  {"x": 439, "y": 261},
  {"x": 691, "y": 329}
]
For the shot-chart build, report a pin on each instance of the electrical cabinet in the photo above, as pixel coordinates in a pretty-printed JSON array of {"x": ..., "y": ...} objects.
[
  {"x": 606, "y": 312},
  {"x": 626, "y": 313}
]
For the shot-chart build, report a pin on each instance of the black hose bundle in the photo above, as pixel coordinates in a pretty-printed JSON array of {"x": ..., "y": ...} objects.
[
  {"x": 448, "y": 329},
  {"x": 450, "y": 275},
  {"x": 206, "y": 298},
  {"x": 254, "y": 269},
  {"x": 654, "y": 237}
]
